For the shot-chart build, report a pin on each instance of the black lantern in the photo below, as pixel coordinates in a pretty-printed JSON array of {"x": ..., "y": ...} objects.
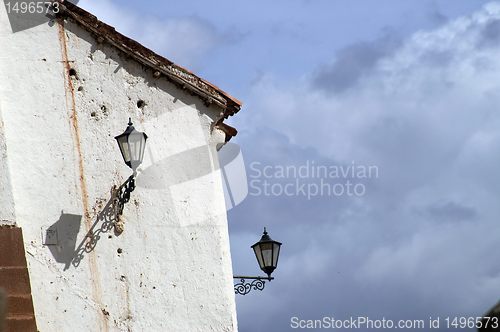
[
  {"x": 132, "y": 144},
  {"x": 267, "y": 252}
]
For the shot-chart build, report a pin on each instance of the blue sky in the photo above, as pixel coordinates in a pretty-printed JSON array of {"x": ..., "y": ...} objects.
[{"x": 409, "y": 86}]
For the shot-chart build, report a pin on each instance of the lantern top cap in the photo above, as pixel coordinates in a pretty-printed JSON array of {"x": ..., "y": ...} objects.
[
  {"x": 265, "y": 238},
  {"x": 130, "y": 129}
]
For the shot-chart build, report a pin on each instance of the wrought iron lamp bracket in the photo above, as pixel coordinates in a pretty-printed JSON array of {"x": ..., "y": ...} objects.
[
  {"x": 122, "y": 193},
  {"x": 243, "y": 287}
]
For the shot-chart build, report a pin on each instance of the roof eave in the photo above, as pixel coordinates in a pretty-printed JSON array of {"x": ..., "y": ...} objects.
[{"x": 182, "y": 77}]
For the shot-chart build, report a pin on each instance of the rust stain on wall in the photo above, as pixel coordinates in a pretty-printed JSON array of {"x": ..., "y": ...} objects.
[{"x": 71, "y": 105}]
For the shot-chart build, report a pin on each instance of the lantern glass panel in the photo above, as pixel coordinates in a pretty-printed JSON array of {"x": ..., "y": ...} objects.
[
  {"x": 135, "y": 142},
  {"x": 267, "y": 254},
  {"x": 258, "y": 254},
  {"x": 123, "y": 144},
  {"x": 134, "y": 145},
  {"x": 143, "y": 146}
]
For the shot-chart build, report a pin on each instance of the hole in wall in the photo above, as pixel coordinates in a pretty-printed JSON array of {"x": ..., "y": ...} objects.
[
  {"x": 80, "y": 88},
  {"x": 141, "y": 103},
  {"x": 72, "y": 72}
]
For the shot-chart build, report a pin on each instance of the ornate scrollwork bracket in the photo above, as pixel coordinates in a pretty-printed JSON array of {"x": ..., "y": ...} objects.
[
  {"x": 244, "y": 287},
  {"x": 122, "y": 194}
]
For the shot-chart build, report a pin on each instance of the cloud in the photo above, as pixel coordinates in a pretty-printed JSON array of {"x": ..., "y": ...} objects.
[
  {"x": 422, "y": 241},
  {"x": 435, "y": 13},
  {"x": 353, "y": 63},
  {"x": 490, "y": 34},
  {"x": 449, "y": 211},
  {"x": 184, "y": 40}
]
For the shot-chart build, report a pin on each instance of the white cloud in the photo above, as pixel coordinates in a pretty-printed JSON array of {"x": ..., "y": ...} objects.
[
  {"x": 428, "y": 114},
  {"x": 432, "y": 78}
]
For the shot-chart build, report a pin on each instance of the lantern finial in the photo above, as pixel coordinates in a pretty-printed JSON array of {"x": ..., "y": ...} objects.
[
  {"x": 130, "y": 121},
  {"x": 265, "y": 231}
]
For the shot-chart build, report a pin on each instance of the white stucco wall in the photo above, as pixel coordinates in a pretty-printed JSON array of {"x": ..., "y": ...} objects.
[
  {"x": 174, "y": 272},
  {"x": 7, "y": 211}
]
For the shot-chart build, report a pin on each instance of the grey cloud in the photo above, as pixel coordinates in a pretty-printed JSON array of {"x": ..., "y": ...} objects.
[
  {"x": 275, "y": 149},
  {"x": 490, "y": 34},
  {"x": 353, "y": 63},
  {"x": 449, "y": 211},
  {"x": 436, "y": 15},
  {"x": 437, "y": 58}
]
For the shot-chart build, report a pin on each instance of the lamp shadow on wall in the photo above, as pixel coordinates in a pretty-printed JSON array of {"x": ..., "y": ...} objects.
[
  {"x": 104, "y": 223},
  {"x": 61, "y": 237}
]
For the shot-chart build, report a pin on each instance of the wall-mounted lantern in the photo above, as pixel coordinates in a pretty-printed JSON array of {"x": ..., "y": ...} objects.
[
  {"x": 132, "y": 144},
  {"x": 267, "y": 252}
]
